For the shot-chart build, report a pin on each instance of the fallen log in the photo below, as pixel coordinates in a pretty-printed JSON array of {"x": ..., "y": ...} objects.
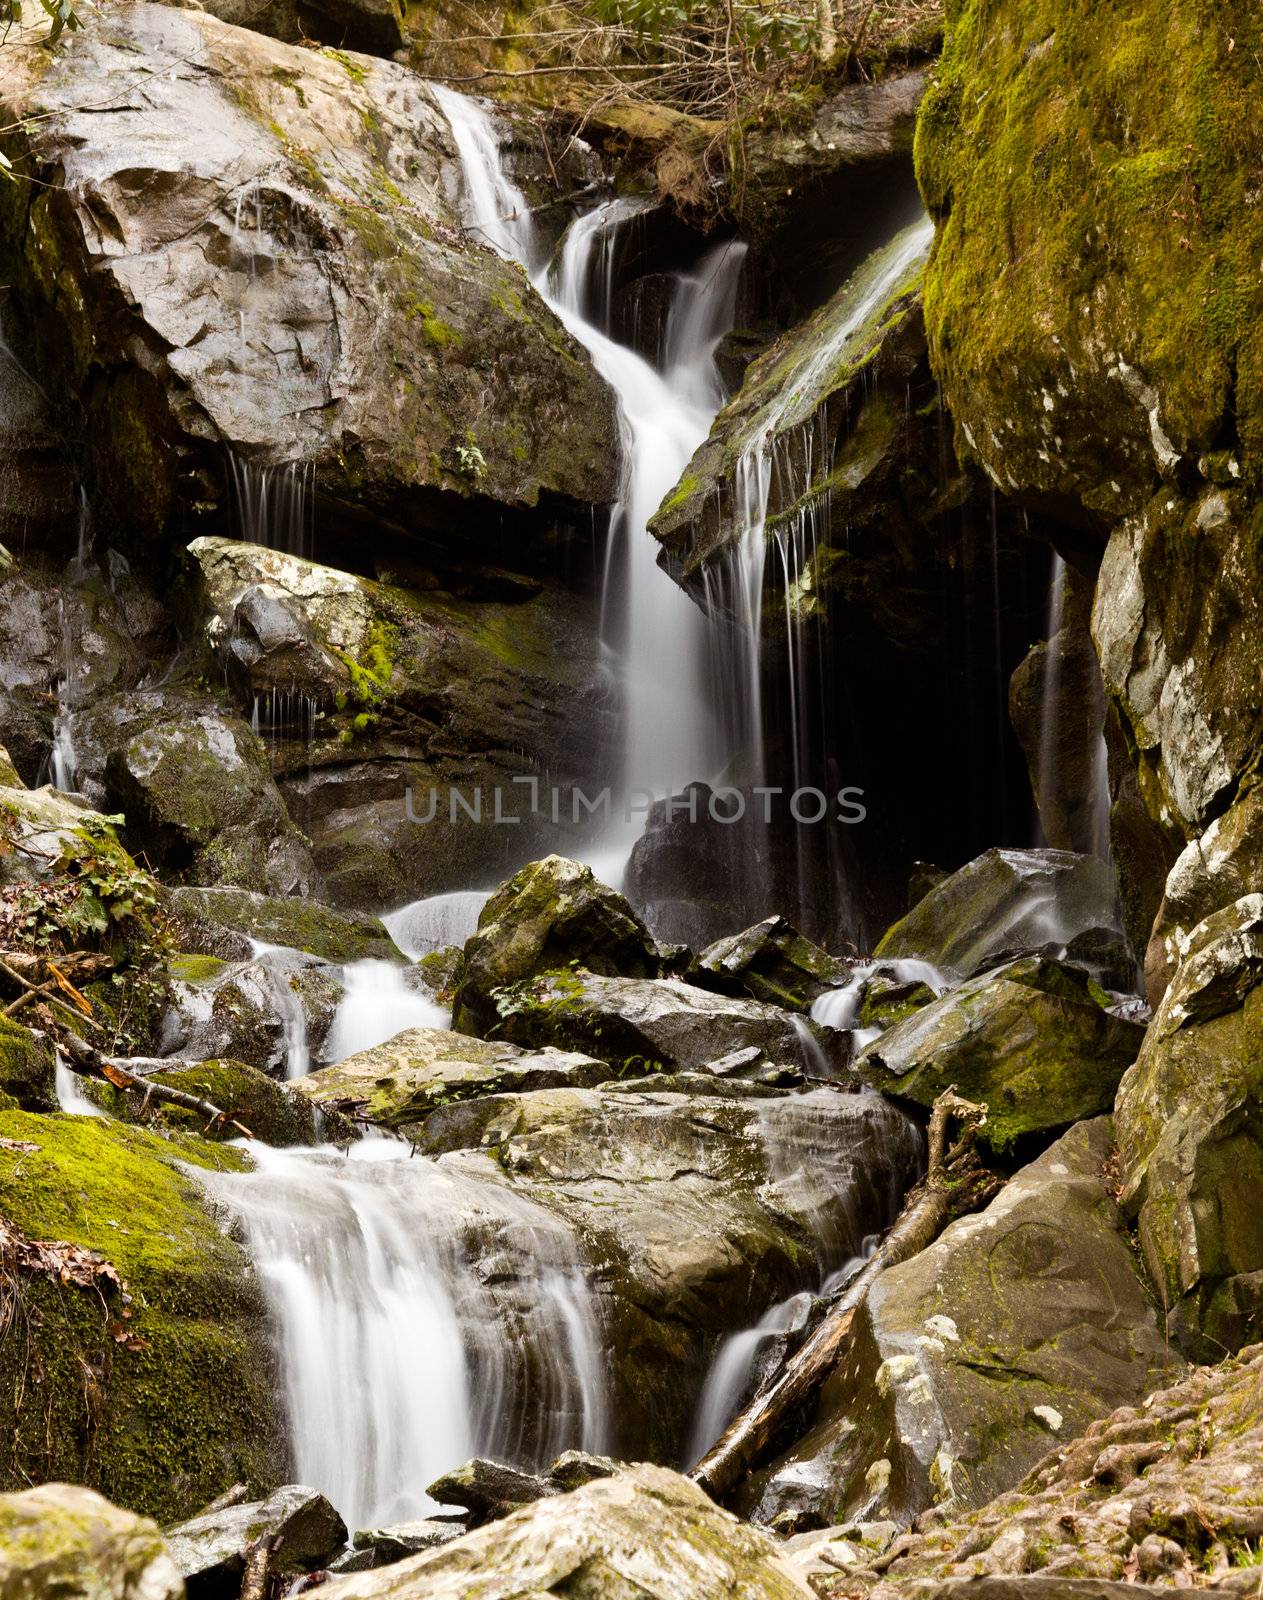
[
  {"x": 955, "y": 1183},
  {"x": 90, "y": 1063}
]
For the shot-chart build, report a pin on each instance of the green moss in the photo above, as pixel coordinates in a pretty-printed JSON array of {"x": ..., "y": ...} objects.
[
  {"x": 26, "y": 1068},
  {"x": 162, "y": 1410},
  {"x": 196, "y": 969}
]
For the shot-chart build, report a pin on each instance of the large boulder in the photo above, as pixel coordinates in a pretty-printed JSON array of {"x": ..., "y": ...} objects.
[
  {"x": 552, "y": 914},
  {"x": 227, "y": 923},
  {"x": 665, "y": 1023},
  {"x": 1092, "y": 294},
  {"x": 60, "y": 1539},
  {"x": 161, "y": 1400},
  {"x": 1034, "y": 1042},
  {"x": 1004, "y": 903},
  {"x": 196, "y": 789},
  {"x": 644, "y": 1531},
  {"x": 968, "y": 1363},
  {"x": 1190, "y": 1134},
  {"x": 27, "y": 1075},
  {"x": 267, "y": 254},
  {"x": 698, "y": 1202},
  {"x": 395, "y": 718},
  {"x": 1164, "y": 1492},
  {"x": 772, "y": 962},
  {"x": 210, "y": 1549},
  {"x": 257, "y": 1106},
  {"x": 402, "y": 1081},
  {"x": 274, "y": 1011}
]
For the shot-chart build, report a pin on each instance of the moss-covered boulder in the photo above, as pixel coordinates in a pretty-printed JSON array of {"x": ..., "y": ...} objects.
[
  {"x": 195, "y": 787},
  {"x": 1004, "y": 903},
  {"x": 224, "y": 922},
  {"x": 551, "y": 915},
  {"x": 27, "y": 1068},
  {"x": 397, "y": 712},
  {"x": 699, "y": 1206},
  {"x": 1034, "y": 1042},
  {"x": 1093, "y": 295},
  {"x": 967, "y": 1364},
  {"x": 1190, "y": 1135},
  {"x": 645, "y": 1530},
  {"x": 257, "y": 1106},
  {"x": 640, "y": 1024},
  {"x": 274, "y": 1011},
  {"x": 402, "y": 1081},
  {"x": 63, "y": 1540},
  {"x": 322, "y": 220},
  {"x": 161, "y": 1403},
  {"x": 772, "y": 962}
]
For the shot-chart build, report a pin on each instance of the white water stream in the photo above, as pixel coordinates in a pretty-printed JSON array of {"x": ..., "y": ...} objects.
[
  {"x": 670, "y": 733},
  {"x": 377, "y": 1003},
  {"x": 423, "y": 1315}
]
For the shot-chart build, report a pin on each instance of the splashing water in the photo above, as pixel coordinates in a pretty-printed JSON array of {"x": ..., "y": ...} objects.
[
  {"x": 437, "y": 921},
  {"x": 70, "y": 1096},
  {"x": 424, "y": 1314},
  {"x": 840, "y": 1008},
  {"x": 377, "y": 1004}
]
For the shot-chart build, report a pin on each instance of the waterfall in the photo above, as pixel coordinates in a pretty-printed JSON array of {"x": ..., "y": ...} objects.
[
  {"x": 273, "y": 505},
  {"x": 1055, "y": 709},
  {"x": 280, "y": 964},
  {"x": 438, "y": 920},
  {"x": 377, "y": 1004},
  {"x": 70, "y": 1096},
  {"x": 670, "y": 735},
  {"x": 837, "y": 1190},
  {"x": 784, "y": 457},
  {"x": 423, "y": 1315},
  {"x": 840, "y": 1008}
]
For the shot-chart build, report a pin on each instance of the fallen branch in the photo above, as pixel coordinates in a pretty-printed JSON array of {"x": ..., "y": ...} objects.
[
  {"x": 254, "y": 1582},
  {"x": 90, "y": 1063},
  {"x": 955, "y": 1183}
]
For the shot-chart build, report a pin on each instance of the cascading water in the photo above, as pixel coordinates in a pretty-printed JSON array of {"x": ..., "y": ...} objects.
[
  {"x": 70, "y": 1096},
  {"x": 1055, "y": 711},
  {"x": 803, "y": 1145},
  {"x": 783, "y": 460},
  {"x": 424, "y": 1315},
  {"x": 670, "y": 735},
  {"x": 438, "y": 920},
  {"x": 280, "y": 964},
  {"x": 273, "y": 505},
  {"x": 840, "y": 1008},
  {"x": 376, "y": 1004}
]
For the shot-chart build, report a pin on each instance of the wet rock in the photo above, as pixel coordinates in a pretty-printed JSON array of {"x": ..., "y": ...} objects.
[
  {"x": 320, "y": 217},
  {"x": 42, "y": 828},
  {"x": 190, "y": 1371},
  {"x": 380, "y": 1547},
  {"x": 403, "y": 1080},
  {"x": 1145, "y": 1470},
  {"x": 972, "y": 1361},
  {"x": 552, "y": 914},
  {"x": 196, "y": 788},
  {"x": 664, "y": 1024},
  {"x": 700, "y": 1201},
  {"x": 1034, "y": 1042},
  {"x": 26, "y": 1068},
  {"x": 273, "y": 1012},
  {"x": 489, "y": 1489},
  {"x": 772, "y": 962},
  {"x": 1190, "y": 1134},
  {"x": 59, "y": 1539},
  {"x": 210, "y": 1550},
  {"x": 1179, "y": 641},
  {"x": 645, "y": 1530},
  {"x": 225, "y": 923},
  {"x": 66, "y": 637},
  {"x": 1210, "y": 874},
  {"x": 1004, "y": 903}
]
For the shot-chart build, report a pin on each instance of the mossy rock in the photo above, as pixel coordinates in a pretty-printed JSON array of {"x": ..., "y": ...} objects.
[
  {"x": 1093, "y": 301},
  {"x": 27, "y": 1068},
  {"x": 161, "y": 1411},
  {"x": 1032, "y": 1041},
  {"x": 220, "y": 922},
  {"x": 274, "y": 1113},
  {"x": 65, "y": 1541}
]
